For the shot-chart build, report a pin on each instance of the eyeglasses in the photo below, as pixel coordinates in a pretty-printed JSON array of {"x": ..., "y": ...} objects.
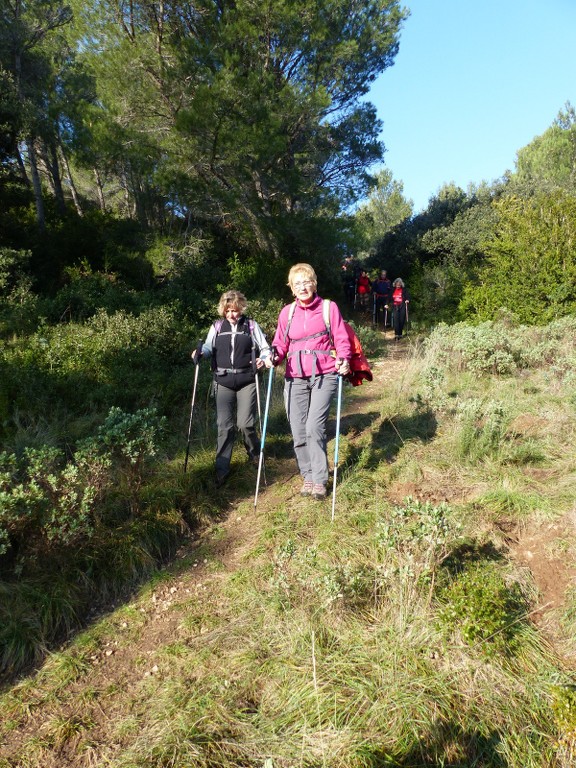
[{"x": 303, "y": 284}]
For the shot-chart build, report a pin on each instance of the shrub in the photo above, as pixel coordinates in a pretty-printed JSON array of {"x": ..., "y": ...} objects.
[
  {"x": 74, "y": 530},
  {"x": 120, "y": 359},
  {"x": 536, "y": 229},
  {"x": 484, "y": 348},
  {"x": 18, "y": 305},
  {"x": 127, "y": 440},
  {"x": 503, "y": 347},
  {"x": 302, "y": 574},
  {"x": 483, "y": 425},
  {"x": 415, "y": 538},
  {"x": 370, "y": 339},
  {"x": 484, "y": 608},
  {"x": 46, "y": 503},
  {"x": 88, "y": 292},
  {"x": 266, "y": 315},
  {"x": 564, "y": 709}
]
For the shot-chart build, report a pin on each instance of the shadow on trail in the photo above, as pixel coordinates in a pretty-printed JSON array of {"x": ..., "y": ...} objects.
[
  {"x": 389, "y": 438},
  {"x": 470, "y": 553},
  {"x": 449, "y": 746}
]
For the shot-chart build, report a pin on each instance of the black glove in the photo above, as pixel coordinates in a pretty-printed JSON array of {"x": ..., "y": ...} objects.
[{"x": 197, "y": 354}]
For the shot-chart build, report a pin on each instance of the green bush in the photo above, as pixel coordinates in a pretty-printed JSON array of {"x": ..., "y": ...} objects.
[
  {"x": 564, "y": 710},
  {"x": 483, "y": 608},
  {"x": 370, "y": 339},
  {"x": 530, "y": 266},
  {"x": 88, "y": 292},
  {"x": 304, "y": 575},
  {"x": 18, "y": 305},
  {"x": 74, "y": 530},
  {"x": 121, "y": 359},
  {"x": 419, "y": 532},
  {"x": 483, "y": 348},
  {"x": 483, "y": 425},
  {"x": 127, "y": 441},
  {"x": 48, "y": 503},
  {"x": 503, "y": 346},
  {"x": 266, "y": 315}
]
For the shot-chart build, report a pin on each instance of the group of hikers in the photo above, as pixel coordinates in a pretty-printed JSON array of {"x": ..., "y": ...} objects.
[
  {"x": 387, "y": 300},
  {"x": 320, "y": 350},
  {"x": 312, "y": 337}
]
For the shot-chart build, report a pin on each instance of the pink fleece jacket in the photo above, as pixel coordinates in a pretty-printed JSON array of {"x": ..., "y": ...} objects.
[{"x": 309, "y": 356}]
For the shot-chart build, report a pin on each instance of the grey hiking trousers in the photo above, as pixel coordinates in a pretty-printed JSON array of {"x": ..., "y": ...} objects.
[
  {"x": 307, "y": 405},
  {"x": 235, "y": 408}
]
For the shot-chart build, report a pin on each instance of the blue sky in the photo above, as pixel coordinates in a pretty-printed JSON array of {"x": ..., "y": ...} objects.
[{"x": 474, "y": 82}]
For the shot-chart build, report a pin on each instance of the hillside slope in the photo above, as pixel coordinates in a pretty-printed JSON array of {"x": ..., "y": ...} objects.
[{"x": 279, "y": 638}]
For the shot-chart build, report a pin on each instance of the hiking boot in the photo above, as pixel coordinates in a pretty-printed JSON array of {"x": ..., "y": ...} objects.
[
  {"x": 307, "y": 487},
  {"x": 221, "y": 477},
  {"x": 318, "y": 491}
]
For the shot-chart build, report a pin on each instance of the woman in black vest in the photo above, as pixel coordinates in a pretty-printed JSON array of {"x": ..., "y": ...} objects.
[{"x": 238, "y": 348}]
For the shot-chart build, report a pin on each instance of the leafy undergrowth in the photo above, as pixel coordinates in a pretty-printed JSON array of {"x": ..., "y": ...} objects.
[{"x": 409, "y": 629}]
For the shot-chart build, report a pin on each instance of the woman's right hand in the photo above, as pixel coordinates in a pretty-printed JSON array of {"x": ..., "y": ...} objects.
[{"x": 272, "y": 360}]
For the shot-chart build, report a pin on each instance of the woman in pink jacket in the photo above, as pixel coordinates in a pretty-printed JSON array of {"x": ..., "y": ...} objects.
[{"x": 315, "y": 355}]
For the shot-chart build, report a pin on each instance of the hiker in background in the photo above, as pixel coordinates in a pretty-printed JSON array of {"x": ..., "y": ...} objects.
[
  {"x": 348, "y": 280},
  {"x": 363, "y": 286},
  {"x": 238, "y": 349},
  {"x": 400, "y": 301},
  {"x": 382, "y": 291},
  {"x": 315, "y": 355}
]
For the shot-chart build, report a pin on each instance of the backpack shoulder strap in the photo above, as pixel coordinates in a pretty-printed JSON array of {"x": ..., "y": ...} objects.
[
  {"x": 326, "y": 315},
  {"x": 217, "y": 325},
  {"x": 253, "y": 340},
  {"x": 290, "y": 316}
]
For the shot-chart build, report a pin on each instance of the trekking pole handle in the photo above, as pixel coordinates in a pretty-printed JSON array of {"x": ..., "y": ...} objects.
[{"x": 197, "y": 354}]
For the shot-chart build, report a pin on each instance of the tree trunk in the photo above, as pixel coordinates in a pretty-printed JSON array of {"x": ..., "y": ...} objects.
[
  {"x": 100, "y": 191},
  {"x": 70, "y": 181},
  {"x": 37, "y": 186},
  {"x": 124, "y": 178},
  {"x": 22, "y": 167},
  {"x": 54, "y": 167}
]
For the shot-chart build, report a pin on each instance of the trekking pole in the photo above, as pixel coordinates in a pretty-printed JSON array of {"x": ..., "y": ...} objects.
[
  {"x": 406, "y": 306},
  {"x": 385, "y": 316},
  {"x": 264, "y": 426},
  {"x": 258, "y": 401},
  {"x": 258, "y": 405},
  {"x": 336, "y": 444},
  {"x": 197, "y": 362},
  {"x": 374, "y": 311}
]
